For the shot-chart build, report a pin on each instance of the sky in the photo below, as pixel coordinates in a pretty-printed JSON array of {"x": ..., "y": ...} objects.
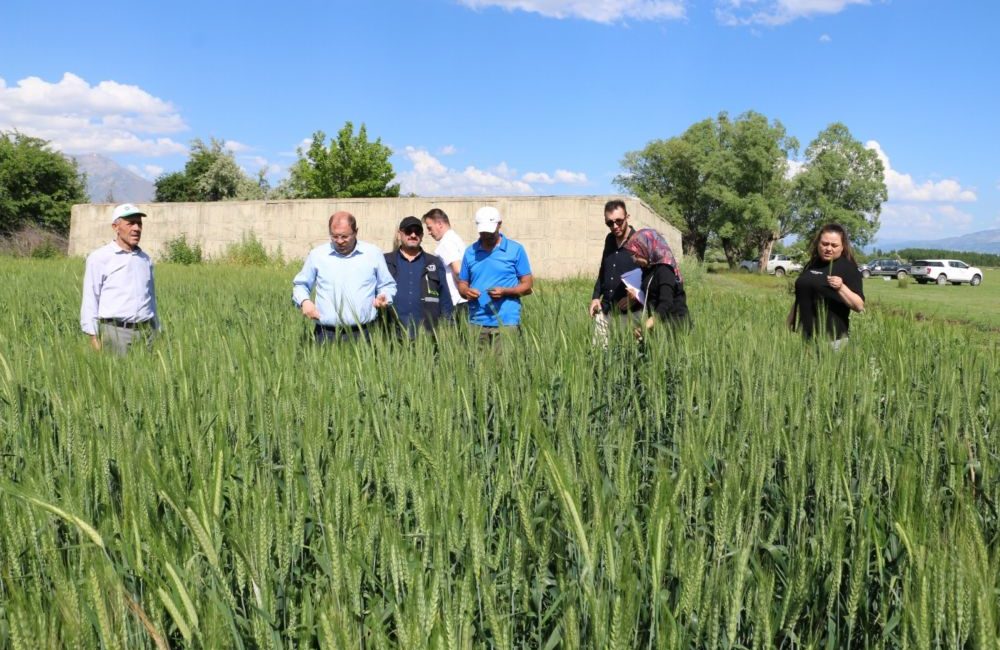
[{"x": 543, "y": 97}]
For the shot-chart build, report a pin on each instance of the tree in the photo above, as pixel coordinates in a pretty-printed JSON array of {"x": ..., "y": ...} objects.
[
  {"x": 752, "y": 189},
  {"x": 675, "y": 178},
  {"x": 841, "y": 182},
  {"x": 350, "y": 167},
  {"x": 720, "y": 177},
  {"x": 210, "y": 174},
  {"x": 38, "y": 186}
]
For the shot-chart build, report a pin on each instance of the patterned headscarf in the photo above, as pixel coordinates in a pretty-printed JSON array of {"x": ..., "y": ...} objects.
[{"x": 651, "y": 245}]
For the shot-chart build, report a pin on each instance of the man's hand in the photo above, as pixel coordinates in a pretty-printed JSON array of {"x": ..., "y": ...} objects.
[
  {"x": 467, "y": 292},
  {"x": 595, "y": 307},
  {"x": 309, "y": 310},
  {"x": 95, "y": 343},
  {"x": 497, "y": 292},
  {"x": 380, "y": 302}
]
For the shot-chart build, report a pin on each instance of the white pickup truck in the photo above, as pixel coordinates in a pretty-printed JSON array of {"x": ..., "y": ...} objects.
[
  {"x": 777, "y": 264},
  {"x": 945, "y": 271}
]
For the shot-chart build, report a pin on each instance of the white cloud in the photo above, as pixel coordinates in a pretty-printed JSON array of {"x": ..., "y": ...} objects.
[
  {"x": 560, "y": 176},
  {"x": 825, "y": 38},
  {"x": 448, "y": 150},
  {"x": 795, "y": 167},
  {"x": 602, "y": 11},
  {"x": 914, "y": 221},
  {"x": 777, "y": 12},
  {"x": 538, "y": 177},
  {"x": 902, "y": 187},
  {"x": 429, "y": 177},
  {"x": 152, "y": 171},
  {"x": 237, "y": 147},
  {"x": 570, "y": 178},
  {"x": 107, "y": 118}
]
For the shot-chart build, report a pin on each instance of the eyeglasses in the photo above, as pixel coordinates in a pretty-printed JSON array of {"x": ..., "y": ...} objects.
[
  {"x": 414, "y": 231},
  {"x": 613, "y": 222}
]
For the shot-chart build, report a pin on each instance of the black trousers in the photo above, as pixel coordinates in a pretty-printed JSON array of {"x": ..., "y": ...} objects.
[{"x": 342, "y": 334}]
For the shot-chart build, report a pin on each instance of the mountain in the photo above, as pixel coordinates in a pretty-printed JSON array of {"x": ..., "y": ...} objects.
[
  {"x": 109, "y": 182},
  {"x": 983, "y": 241}
]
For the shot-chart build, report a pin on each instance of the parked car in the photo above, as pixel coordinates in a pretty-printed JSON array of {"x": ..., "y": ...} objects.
[
  {"x": 885, "y": 266},
  {"x": 777, "y": 264},
  {"x": 945, "y": 271}
]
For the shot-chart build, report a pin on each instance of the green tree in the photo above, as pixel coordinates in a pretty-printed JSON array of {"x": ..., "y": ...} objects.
[
  {"x": 38, "y": 186},
  {"x": 723, "y": 178},
  {"x": 350, "y": 167},
  {"x": 210, "y": 174},
  {"x": 841, "y": 182},
  {"x": 675, "y": 177},
  {"x": 752, "y": 186}
]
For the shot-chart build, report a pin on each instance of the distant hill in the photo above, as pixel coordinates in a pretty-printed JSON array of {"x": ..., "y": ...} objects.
[
  {"x": 109, "y": 182},
  {"x": 983, "y": 241}
]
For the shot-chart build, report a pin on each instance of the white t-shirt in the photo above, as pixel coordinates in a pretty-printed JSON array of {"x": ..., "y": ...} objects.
[{"x": 450, "y": 249}]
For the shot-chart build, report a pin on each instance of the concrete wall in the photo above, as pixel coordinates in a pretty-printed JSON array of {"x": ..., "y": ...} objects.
[{"x": 562, "y": 234}]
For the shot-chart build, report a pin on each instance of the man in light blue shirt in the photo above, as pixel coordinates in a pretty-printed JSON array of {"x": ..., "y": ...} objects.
[
  {"x": 351, "y": 281},
  {"x": 119, "y": 300},
  {"x": 495, "y": 274}
]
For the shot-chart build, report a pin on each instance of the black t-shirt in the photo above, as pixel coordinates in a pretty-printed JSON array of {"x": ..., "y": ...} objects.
[
  {"x": 814, "y": 296},
  {"x": 665, "y": 296}
]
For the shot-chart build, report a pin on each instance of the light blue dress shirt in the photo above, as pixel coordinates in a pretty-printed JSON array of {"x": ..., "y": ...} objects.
[
  {"x": 117, "y": 284},
  {"x": 346, "y": 285}
]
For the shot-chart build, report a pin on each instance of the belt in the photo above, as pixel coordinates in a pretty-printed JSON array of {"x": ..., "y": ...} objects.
[
  {"x": 343, "y": 328},
  {"x": 124, "y": 324}
]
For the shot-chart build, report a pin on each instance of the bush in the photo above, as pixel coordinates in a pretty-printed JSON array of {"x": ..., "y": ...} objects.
[
  {"x": 47, "y": 250},
  {"x": 32, "y": 241},
  {"x": 179, "y": 251},
  {"x": 904, "y": 281},
  {"x": 249, "y": 251}
]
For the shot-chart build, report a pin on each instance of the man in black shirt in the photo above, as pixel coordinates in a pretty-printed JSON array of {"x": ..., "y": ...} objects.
[{"x": 610, "y": 300}]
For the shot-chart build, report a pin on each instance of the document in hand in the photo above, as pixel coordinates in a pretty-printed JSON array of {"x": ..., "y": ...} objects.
[{"x": 633, "y": 280}]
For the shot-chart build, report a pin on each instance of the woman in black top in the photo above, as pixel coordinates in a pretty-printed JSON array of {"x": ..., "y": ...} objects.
[
  {"x": 665, "y": 299},
  {"x": 829, "y": 287}
]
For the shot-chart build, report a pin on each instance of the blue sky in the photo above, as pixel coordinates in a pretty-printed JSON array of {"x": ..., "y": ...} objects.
[{"x": 519, "y": 96}]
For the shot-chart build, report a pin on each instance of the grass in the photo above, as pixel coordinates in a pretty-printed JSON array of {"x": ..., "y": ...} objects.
[{"x": 732, "y": 487}]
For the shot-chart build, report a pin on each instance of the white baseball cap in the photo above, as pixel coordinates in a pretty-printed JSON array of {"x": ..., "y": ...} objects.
[
  {"x": 126, "y": 210},
  {"x": 487, "y": 219}
]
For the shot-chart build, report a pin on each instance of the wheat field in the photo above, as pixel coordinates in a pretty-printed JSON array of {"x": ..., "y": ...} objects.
[{"x": 731, "y": 487}]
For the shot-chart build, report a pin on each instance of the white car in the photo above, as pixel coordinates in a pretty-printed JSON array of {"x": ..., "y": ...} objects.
[
  {"x": 777, "y": 264},
  {"x": 945, "y": 271}
]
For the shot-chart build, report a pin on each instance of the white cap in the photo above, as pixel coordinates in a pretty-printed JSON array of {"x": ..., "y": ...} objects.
[
  {"x": 487, "y": 219},
  {"x": 126, "y": 210}
]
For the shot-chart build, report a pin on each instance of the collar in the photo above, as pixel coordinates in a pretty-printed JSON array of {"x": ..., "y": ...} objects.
[
  {"x": 501, "y": 245},
  {"x": 399, "y": 252},
  {"x": 357, "y": 250},
  {"x": 628, "y": 236},
  {"x": 118, "y": 249}
]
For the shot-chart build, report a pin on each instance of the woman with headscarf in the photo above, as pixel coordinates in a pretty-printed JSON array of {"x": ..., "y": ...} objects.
[
  {"x": 662, "y": 284},
  {"x": 829, "y": 287}
]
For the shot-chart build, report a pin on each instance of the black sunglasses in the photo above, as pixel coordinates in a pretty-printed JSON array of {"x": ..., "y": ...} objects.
[
  {"x": 413, "y": 230},
  {"x": 613, "y": 222}
]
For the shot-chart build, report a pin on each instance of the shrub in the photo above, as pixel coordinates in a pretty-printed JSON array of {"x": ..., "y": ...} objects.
[
  {"x": 903, "y": 282},
  {"x": 179, "y": 251},
  {"x": 249, "y": 251},
  {"x": 47, "y": 250}
]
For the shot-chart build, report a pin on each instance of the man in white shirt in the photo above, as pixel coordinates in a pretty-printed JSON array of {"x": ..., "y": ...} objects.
[
  {"x": 119, "y": 300},
  {"x": 450, "y": 249}
]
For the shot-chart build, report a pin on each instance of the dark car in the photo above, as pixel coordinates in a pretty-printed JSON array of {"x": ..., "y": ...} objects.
[{"x": 885, "y": 266}]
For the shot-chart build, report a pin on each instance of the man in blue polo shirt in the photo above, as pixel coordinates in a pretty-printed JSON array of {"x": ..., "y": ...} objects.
[
  {"x": 422, "y": 295},
  {"x": 495, "y": 274}
]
